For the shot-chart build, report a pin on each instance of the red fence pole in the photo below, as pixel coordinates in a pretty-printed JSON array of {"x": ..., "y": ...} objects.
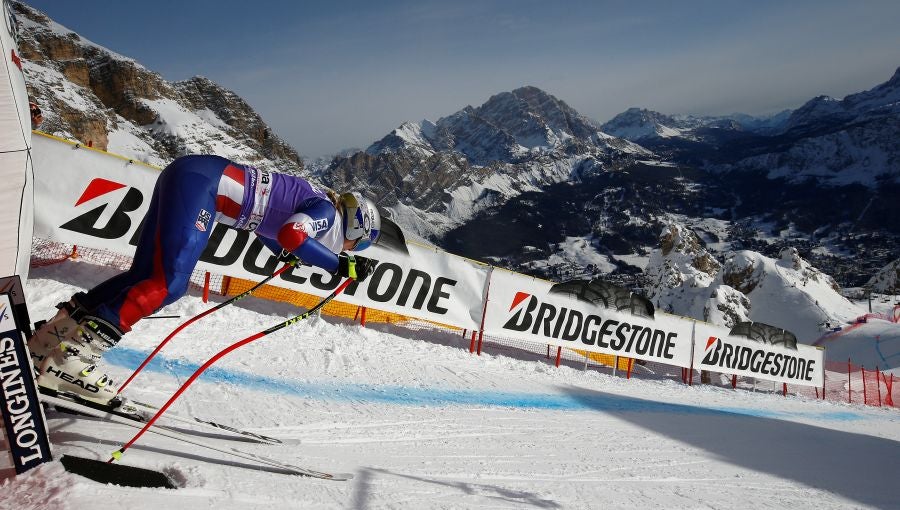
[
  {"x": 734, "y": 381},
  {"x": 206, "y": 288},
  {"x": 362, "y": 317},
  {"x": 487, "y": 298},
  {"x": 472, "y": 343},
  {"x": 891, "y": 390},
  {"x": 630, "y": 365},
  {"x": 865, "y": 397},
  {"x": 558, "y": 355},
  {"x": 878, "y": 384},
  {"x": 690, "y": 374}
]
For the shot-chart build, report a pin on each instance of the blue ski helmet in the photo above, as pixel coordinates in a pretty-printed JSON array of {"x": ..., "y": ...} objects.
[{"x": 362, "y": 222}]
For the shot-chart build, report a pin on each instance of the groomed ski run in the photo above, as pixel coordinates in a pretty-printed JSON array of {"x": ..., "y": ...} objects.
[{"x": 421, "y": 423}]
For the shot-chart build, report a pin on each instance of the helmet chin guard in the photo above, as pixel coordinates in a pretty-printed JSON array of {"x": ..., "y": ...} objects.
[{"x": 361, "y": 220}]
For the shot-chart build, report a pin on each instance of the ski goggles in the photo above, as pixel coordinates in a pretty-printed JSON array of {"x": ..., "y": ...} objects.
[{"x": 365, "y": 241}]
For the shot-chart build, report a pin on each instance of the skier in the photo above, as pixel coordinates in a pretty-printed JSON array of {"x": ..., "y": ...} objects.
[{"x": 288, "y": 214}]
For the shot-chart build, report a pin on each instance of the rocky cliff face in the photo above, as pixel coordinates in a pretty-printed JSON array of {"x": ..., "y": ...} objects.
[{"x": 91, "y": 94}]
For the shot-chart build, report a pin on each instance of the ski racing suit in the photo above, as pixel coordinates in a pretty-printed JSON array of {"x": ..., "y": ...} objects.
[{"x": 284, "y": 211}]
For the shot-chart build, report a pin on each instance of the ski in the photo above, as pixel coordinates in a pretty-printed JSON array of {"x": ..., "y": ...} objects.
[
  {"x": 149, "y": 410},
  {"x": 141, "y": 412},
  {"x": 188, "y": 439}
]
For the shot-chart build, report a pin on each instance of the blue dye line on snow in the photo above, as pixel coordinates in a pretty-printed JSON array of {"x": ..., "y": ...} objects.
[{"x": 581, "y": 401}]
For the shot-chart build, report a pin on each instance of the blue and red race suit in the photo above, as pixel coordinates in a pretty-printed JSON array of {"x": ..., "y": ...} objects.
[{"x": 285, "y": 211}]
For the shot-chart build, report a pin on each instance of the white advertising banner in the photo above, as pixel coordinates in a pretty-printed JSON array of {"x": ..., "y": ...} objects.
[
  {"x": 717, "y": 351},
  {"x": 15, "y": 158},
  {"x": 90, "y": 198},
  {"x": 522, "y": 307}
]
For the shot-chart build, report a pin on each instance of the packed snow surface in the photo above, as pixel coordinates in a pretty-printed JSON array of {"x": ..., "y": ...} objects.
[{"x": 421, "y": 423}]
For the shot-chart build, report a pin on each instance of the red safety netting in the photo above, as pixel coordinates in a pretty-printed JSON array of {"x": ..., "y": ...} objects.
[{"x": 45, "y": 253}]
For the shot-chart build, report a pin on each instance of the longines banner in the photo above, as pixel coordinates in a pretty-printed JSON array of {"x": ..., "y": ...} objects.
[
  {"x": 522, "y": 307},
  {"x": 90, "y": 198},
  {"x": 718, "y": 352}
]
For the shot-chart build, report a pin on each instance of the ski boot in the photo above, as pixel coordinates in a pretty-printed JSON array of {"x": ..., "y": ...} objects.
[
  {"x": 48, "y": 334},
  {"x": 70, "y": 368}
]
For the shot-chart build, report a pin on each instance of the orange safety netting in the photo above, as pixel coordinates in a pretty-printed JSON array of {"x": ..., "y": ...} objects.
[{"x": 235, "y": 286}]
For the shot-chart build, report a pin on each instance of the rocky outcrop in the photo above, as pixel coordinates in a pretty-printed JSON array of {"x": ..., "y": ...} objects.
[
  {"x": 886, "y": 281},
  {"x": 681, "y": 276},
  {"x": 89, "y": 93}
]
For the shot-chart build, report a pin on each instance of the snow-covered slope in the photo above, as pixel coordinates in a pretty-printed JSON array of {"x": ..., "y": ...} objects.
[
  {"x": 872, "y": 341},
  {"x": 789, "y": 293},
  {"x": 423, "y": 424}
]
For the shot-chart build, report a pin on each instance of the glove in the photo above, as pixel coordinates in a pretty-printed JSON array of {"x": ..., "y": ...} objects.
[
  {"x": 288, "y": 258},
  {"x": 354, "y": 266}
]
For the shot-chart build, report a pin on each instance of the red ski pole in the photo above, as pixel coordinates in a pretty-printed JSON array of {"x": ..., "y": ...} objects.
[
  {"x": 198, "y": 317},
  {"x": 118, "y": 453}
]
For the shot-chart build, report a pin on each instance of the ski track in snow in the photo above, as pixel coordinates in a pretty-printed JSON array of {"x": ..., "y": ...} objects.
[{"x": 424, "y": 424}]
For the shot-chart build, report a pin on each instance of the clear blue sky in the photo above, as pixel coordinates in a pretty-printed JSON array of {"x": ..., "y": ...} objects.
[{"x": 332, "y": 75}]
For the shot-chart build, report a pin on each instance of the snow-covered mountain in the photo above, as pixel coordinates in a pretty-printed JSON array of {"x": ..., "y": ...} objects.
[
  {"x": 435, "y": 176},
  {"x": 639, "y": 124},
  {"x": 508, "y": 127},
  {"x": 883, "y": 99},
  {"x": 94, "y": 95},
  {"x": 642, "y": 125},
  {"x": 825, "y": 187},
  {"x": 834, "y": 142}
]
